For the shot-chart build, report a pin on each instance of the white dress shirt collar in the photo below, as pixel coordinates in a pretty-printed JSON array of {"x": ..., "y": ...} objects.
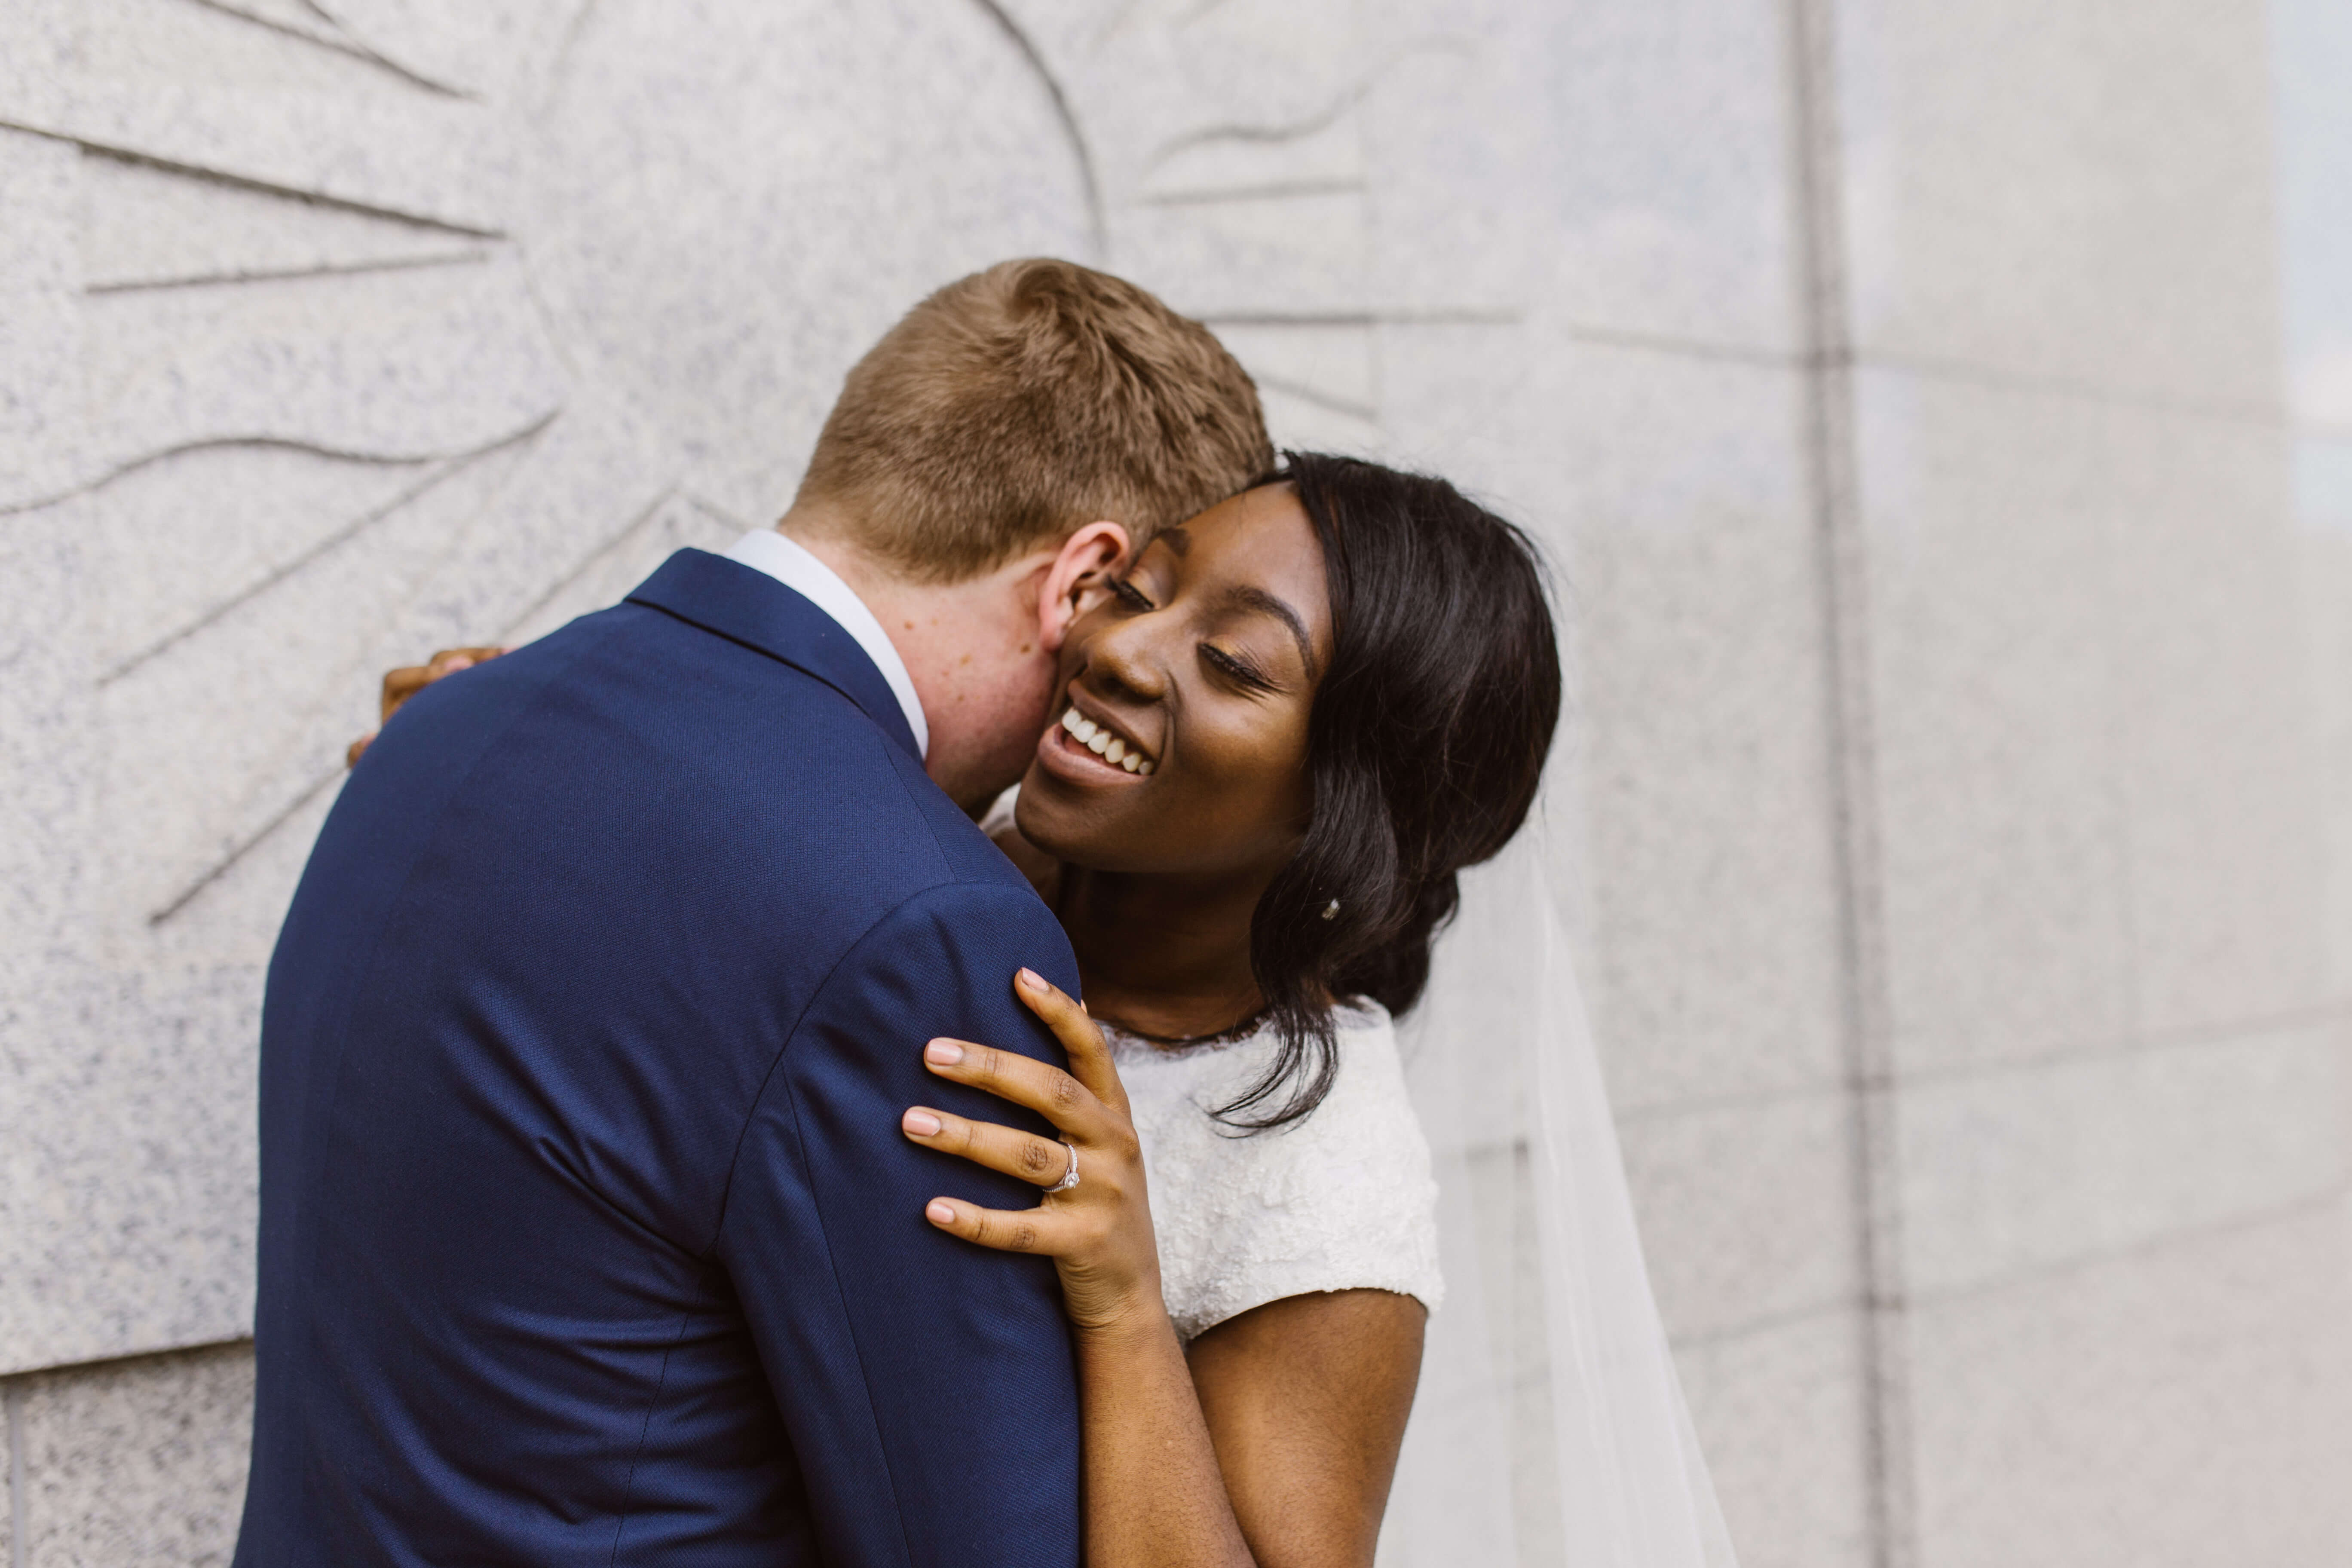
[{"x": 765, "y": 550}]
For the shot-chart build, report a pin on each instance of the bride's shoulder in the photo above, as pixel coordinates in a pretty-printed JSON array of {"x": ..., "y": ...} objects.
[
  {"x": 1368, "y": 1099},
  {"x": 1342, "y": 1199}
]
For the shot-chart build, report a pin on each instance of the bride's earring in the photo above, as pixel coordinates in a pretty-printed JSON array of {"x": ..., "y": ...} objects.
[{"x": 1331, "y": 910}]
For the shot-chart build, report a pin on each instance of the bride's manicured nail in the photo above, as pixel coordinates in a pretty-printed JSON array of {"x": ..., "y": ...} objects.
[
  {"x": 940, "y": 1213},
  {"x": 921, "y": 1124},
  {"x": 943, "y": 1052},
  {"x": 1031, "y": 980}
]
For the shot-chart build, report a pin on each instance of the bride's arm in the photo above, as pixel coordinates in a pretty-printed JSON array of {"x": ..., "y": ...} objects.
[
  {"x": 1305, "y": 1399},
  {"x": 1274, "y": 1447}
]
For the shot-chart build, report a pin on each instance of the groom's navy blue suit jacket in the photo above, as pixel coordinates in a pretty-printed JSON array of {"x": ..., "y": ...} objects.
[{"x": 588, "y": 1234}]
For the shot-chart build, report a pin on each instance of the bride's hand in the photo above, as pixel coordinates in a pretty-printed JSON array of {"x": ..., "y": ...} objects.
[
  {"x": 400, "y": 684},
  {"x": 1098, "y": 1232}
]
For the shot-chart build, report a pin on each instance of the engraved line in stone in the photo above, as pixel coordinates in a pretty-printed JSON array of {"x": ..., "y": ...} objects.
[
  {"x": 559, "y": 69},
  {"x": 342, "y": 536},
  {"x": 332, "y": 37},
  {"x": 220, "y": 868},
  {"x": 202, "y": 175},
  {"x": 254, "y": 841},
  {"x": 1098, "y": 228},
  {"x": 321, "y": 30},
  {"x": 1273, "y": 190},
  {"x": 1307, "y": 125},
  {"x": 282, "y": 274},
  {"x": 248, "y": 183},
  {"x": 712, "y": 509},
  {"x": 619, "y": 538},
  {"x": 310, "y": 792},
  {"x": 368, "y": 50},
  {"x": 208, "y": 443},
  {"x": 551, "y": 331}
]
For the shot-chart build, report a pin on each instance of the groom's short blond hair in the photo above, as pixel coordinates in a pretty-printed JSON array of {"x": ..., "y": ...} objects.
[{"x": 1020, "y": 404}]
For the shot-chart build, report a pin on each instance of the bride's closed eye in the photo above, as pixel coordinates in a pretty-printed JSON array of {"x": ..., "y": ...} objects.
[{"x": 1238, "y": 671}]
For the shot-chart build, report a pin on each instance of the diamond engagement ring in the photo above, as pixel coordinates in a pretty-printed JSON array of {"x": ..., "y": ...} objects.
[{"x": 1069, "y": 1177}]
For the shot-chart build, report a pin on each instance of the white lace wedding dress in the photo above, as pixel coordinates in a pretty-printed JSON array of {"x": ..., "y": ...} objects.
[
  {"x": 1550, "y": 1423},
  {"x": 1342, "y": 1200}
]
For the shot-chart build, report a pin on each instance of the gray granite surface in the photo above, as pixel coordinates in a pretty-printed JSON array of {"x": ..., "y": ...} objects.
[
  {"x": 134, "y": 1464},
  {"x": 1954, "y": 794}
]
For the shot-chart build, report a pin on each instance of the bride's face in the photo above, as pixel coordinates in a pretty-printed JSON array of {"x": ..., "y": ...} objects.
[{"x": 1178, "y": 743}]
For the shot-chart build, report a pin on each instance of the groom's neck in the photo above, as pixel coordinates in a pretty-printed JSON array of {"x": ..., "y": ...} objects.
[
  {"x": 827, "y": 532},
  {"x": 972, "y": 649}
]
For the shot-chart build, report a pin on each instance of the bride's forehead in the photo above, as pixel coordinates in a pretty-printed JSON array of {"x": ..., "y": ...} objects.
[{"x": 1264, "y": 526}]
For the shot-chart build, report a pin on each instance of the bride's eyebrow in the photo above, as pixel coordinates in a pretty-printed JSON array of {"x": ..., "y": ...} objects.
[{"x": 1250, "y": 598}]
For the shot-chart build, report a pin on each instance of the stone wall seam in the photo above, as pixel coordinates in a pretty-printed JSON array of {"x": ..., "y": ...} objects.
[
  {"x": 2179, "y": 1238},
  {"x": 1817, "y": 159}
]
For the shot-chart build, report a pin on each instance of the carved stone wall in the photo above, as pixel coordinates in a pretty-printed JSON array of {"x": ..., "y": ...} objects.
[{"x": 1957, "y": 743}]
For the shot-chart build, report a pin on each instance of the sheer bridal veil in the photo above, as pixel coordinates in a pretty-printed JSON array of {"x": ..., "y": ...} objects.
[{"x": 1549, "y": 1426}]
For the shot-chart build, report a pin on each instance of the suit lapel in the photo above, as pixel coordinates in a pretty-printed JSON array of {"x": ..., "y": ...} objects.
[{"x": 748, "y": 606}]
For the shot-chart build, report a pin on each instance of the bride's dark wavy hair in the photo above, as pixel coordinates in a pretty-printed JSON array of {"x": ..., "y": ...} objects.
[{"x": 1425, "y": 746}]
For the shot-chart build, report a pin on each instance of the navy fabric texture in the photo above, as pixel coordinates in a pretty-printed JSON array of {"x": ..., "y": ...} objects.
[{"x": 588, "y": 1234}]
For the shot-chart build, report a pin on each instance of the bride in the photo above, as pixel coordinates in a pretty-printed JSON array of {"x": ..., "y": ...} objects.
[{"x": 1283, "y": 735}]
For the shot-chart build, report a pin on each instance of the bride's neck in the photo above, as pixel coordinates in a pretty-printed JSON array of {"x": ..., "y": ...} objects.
[{"x": 1162, "y": 956}]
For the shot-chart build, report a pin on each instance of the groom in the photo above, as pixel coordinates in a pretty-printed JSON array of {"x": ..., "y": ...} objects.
[{"x": 588, "y": 1233}]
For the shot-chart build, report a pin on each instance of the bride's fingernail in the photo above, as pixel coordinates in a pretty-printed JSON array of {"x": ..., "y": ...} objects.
[
  {"x": 1031, "y": 980},
  {"x": 940, "y": 1214},
  {"x": 944, "y": 1053},
  {"x": 921, "y": 1124}
]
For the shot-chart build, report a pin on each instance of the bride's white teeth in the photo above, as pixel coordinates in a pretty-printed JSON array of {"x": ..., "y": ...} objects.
[
  {"x": 1146, "y": 767},
  {"x": 1097, "y": 738}
]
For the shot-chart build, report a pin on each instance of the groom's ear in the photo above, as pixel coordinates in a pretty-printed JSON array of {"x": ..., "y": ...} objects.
[{"x": 1079, "y": 578}]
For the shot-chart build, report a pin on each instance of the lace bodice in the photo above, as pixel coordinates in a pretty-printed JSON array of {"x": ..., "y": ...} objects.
[{"x": 1343, "y": 1200}]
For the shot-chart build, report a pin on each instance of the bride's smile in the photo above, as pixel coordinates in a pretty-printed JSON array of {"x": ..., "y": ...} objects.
[{"x": 1099, "y": 739}]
